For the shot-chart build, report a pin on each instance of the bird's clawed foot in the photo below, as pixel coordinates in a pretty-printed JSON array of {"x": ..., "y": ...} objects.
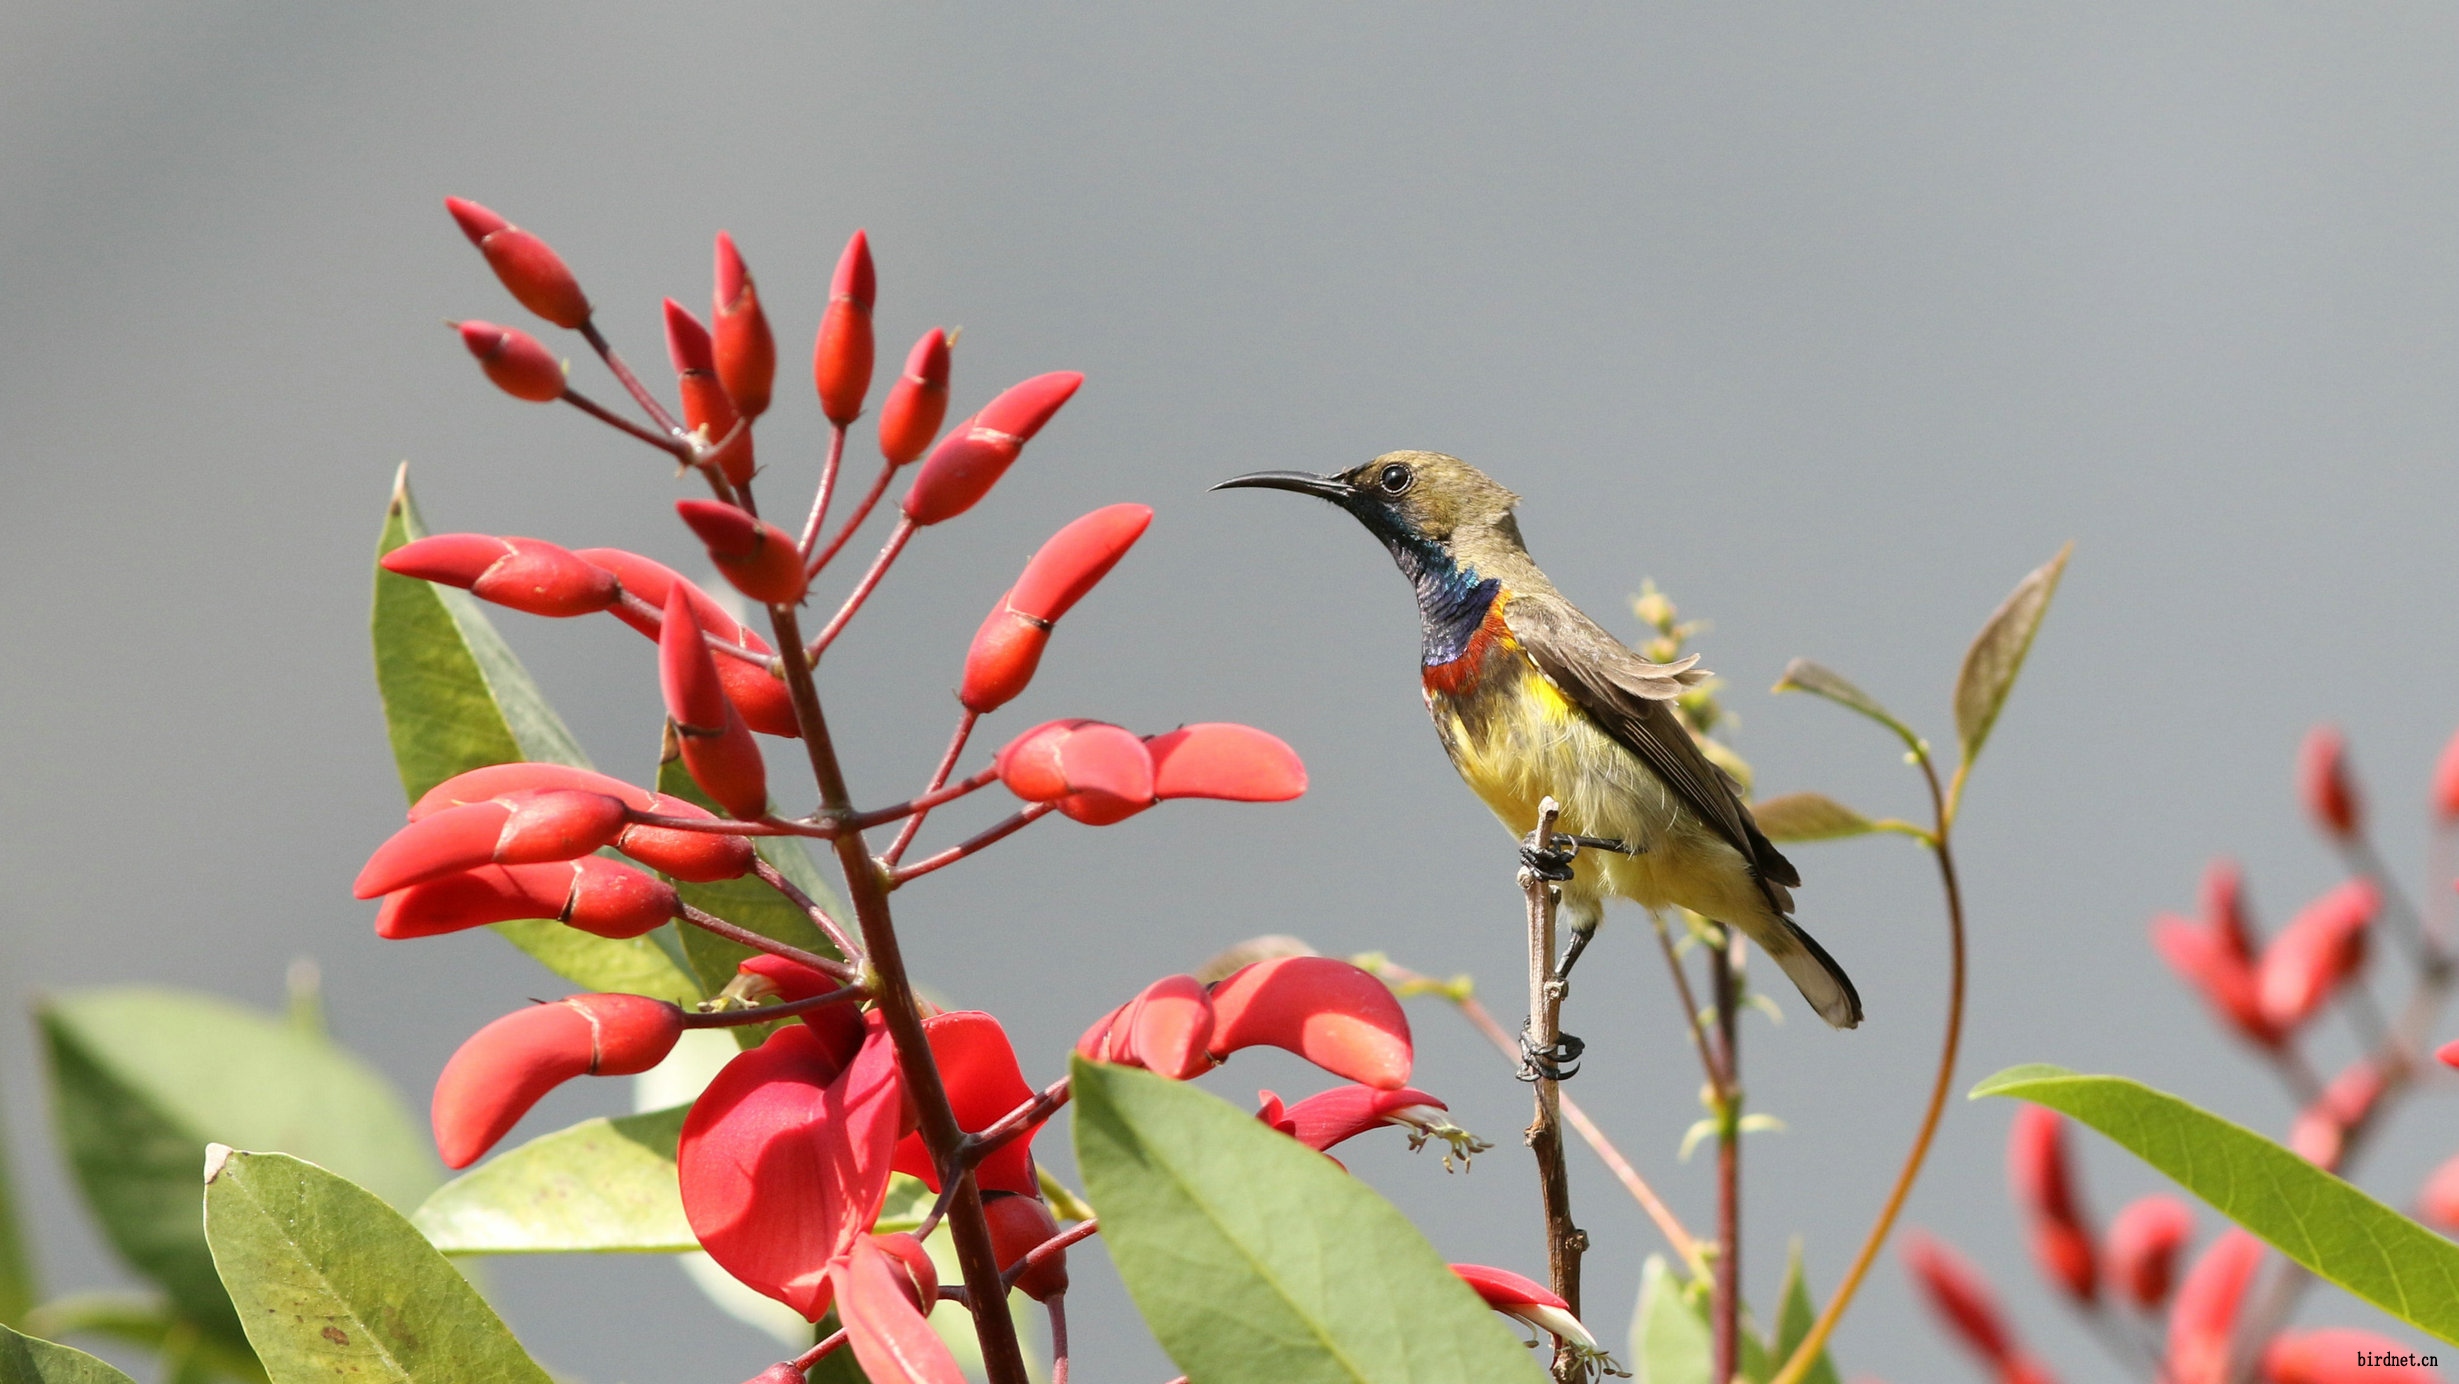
[
  {"x": 1558, "y": 1061},
  {"x": 1551, "y": 864}
]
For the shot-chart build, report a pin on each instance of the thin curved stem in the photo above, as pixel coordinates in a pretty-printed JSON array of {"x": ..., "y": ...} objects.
[
  {"x": 947, "y": 765},
  {"x": 765, "y": 1013},
  {"x": 743, "y": 936},
  {"x": 680, "y": 450},
  {"x": 969, "y": 845},
  {"x": 775, "y": 879},
  {"x": 897, "y": 538},
  {"x": 828, "y": 488},
  {"x": 915, "y": 809},
  {"x": 631, "y": 382},
  {"x": 870, "y": 501},
  {"x": 1055, "y": 1245},
  {"x": 1799, "y": 1365}
]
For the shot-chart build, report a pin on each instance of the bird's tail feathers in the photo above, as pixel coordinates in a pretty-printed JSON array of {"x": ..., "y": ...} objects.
[{"x": 1822, "y": 982}]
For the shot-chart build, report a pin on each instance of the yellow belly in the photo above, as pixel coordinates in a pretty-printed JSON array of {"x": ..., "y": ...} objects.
[{"x": 1516, "y": 741}]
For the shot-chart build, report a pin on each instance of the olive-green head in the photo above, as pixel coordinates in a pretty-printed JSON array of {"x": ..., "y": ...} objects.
[{"x": 1408, "y": 498}]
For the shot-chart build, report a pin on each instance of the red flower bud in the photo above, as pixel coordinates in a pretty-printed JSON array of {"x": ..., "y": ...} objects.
[
  {"x": 759, "y": 694},
  {"x": 917, "y": 403},
  {"x": 527, "y": 574},
  {"x": 784, "y": 1160},
  {"x": 2024, "y": 1369},
  {"x": 1018, "y": 1226},
  {"x": 717, "y": 747},
  {"x": 1960, "y": 1296},
  {"x": 2044, "y": 1186},
  {"x": 495, "y": 780},
  {"x": 2336, "y": 1355},
  {"x": 514, "y": 829},
  {"x": 2206, "y": 1310},
  {"x": 892, "y": 1343},
  {"x": 591, "y": 893},
  {"x": 503, "y": 1070},
  {"x": 2320, "y": 1133},
  {"x": 1005, "y": 653},
  {"x": 972, "y": 458},
  {"x": 2327, "y": 785},
  {"x": 534, "y": 273},
  {"x": 1526, "y": 1299},
  {"x": 2224, "y": 908},
  {"x": 1345, "y": 1112},
  {"x": 1329, "y": 1012},
  {"x": 2321, "y": 947},
  {"x": 1075, "y": 559},
  {"x": 1060, "y": 758},
  {"x": 1221, "y": 759},
  {"x": 515, "y": 360},
  {"x": 746, "y": 352},
  {"x": 707, "y": 409},
  {"x": 757, "y": 556},
  {"x": 1095, "y": 1045},
  {"x": 841, "y": 356},
  {"x": 978, "y": 1067},
  {"x": 2144, "y": 1242},
  {"x": 2438, "y": 1200}
]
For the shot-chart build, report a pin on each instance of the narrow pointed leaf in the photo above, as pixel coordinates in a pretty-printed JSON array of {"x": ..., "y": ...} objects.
[
  {"x": 747, "y": 902},
  {"x": 1669, "y": 1341},
  {"x": 1997, "y": 653},
  {"x": 332, "y": 1283},
  {"x": 455, "y": 699},
  {"x": 2323, "y": 1223},
  {"x": 1808, "y": 817},
  {"x": 144, "y": 1078},
  {"x": 600, "y": 1186},
  {"x": 147, "y": 1323},
  {"x": 17, "y": 1286},
  {"x": 1795, "y": 1315},
  {"x": 25, "y": 1360},
  {"x": 1256, "y": 1261},
  {"x": 1819, "y": 680}
]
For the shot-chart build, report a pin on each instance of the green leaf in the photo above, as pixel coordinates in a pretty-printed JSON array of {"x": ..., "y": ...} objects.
[
  {"x": 2321, "y": 1222},
  {"x": 17, "y": 1288},
  {"x": 456, "y": 699},
  {"x": 601, "y": 1186},
  {"x": 1819, "y": 680},
  {"x": 1795, "y": 1315},
  {"x": 1808, "y": 817},
  {"x": 1997, "y": 653},
  {"x": 332, "y": 1283},
  {"x": 25, "y": 1360},
  {"x": 1256, "y": 1261},
  {"x": 148, "y": 1323},
  {"x": 747, "y": 902},
  {"x": 1669, "y": 1337},
  {"x": 143, "y": 1078}
]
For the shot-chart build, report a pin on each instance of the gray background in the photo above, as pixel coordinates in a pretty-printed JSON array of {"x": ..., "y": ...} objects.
[{"x": 1834, "y": 324}]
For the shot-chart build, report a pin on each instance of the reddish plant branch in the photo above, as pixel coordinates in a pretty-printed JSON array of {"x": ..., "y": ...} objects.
[
  {"x": 631, "y": 382},
  {"x": 828, "y": 488},
  {"x": 1043, "y": 1252},
  {"x": 999, "y": 832},
  {"x": 765, "y": 1013},
  {"x": 897, "y": 539},
  {"x": 965, "y": 721},
  {"x": 743, "y": 936},
  {"x": 775, "y": 879},
  {"x": 870, "y": 501},
  {"x": 680, "y": 450}
]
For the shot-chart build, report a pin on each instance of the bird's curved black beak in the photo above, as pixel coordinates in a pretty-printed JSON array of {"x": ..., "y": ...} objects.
[{"x": 1332, "y": 488}]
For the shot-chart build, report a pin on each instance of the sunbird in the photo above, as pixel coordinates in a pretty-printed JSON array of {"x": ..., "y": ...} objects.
[{"x": 1533, "y": 699}]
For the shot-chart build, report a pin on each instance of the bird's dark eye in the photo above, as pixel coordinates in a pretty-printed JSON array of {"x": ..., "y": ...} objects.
[{"x": 1395, "y": 478}]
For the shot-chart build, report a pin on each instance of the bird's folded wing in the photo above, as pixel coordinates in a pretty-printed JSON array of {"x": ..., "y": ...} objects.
[{"x": 1631, "y": 699}]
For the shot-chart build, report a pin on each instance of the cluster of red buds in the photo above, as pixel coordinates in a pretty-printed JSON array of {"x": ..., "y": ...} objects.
[
  {"x": 2271, "y": 994},
  {"x": 784, "y": 1160}
]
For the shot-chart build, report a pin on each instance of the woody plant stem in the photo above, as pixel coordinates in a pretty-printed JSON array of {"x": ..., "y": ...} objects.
[
  {"x": 867, "y": 886},
  {"x": 1564, "y": 1241}
]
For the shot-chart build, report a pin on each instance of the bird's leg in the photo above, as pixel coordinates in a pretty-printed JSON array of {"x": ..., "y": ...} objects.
[
  {"x": 1558, "y": 1061},
  {"x": 1582, "y": 931},
  {"x": 1550, "y": 860},
  {"x": 1552, "y": 863}
]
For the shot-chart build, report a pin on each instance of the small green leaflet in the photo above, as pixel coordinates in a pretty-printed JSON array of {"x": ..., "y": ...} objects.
[{"x": 25, "y": 1360}]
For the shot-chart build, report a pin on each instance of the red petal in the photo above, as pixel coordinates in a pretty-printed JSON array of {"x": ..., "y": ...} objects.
[
  {"x": 687, "y": 342},
  {"x": 1169, "y": 1028},
  {"x": 913, "y": 1264},
  {"x": 504, "y": 1068},
  {"x": 1345, "y": 1112},
  {"x": 536, "y": 275},
  {"x": 841, "y": 353},
  {"x": 453, "y": 559},
  {"x": 1959, "y": 1294},
  {"x": 2224, "y": 908},
  {"x": 2321, "y": 947},
  {"x": 978, "y": 1067},
  {"x": 2144, "y": 1242},
  {"x": 2043, "y": 1181},
  {"x": 475, "y": 221},
  {"x": 917, "y": 403},
  {"x": 610, "y": 899},
  {"x": 746, "y": 351},
  {"x": 972, "y": 457},
  {"x": 784, "y": 1160},
  {"x": 2206, "y": 1310},
  {"x": 1503, "y": 1289},
  {"x": 717, "y": 746},
  {"x": 761, "y": 697},
  {"x": 1094, "y": 1046},
  {"x": 519, "y": 365},
  {"x": 443, "y": 843},
  {"x": 1329, "y": 1012},
  {"x": 1020, "y": 410},
  {"x": 498, "y": 780},
  {"x": 543, "y": 579},
  {"x": 557, "y": 824},
  {"x": 891, "y": 1341},
  {"x": 1221, "y": 759},
  {"x": 1075, "y": 559},
  {"x": 695, "y": 857},
  {"x": 475, "y": 898}
]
